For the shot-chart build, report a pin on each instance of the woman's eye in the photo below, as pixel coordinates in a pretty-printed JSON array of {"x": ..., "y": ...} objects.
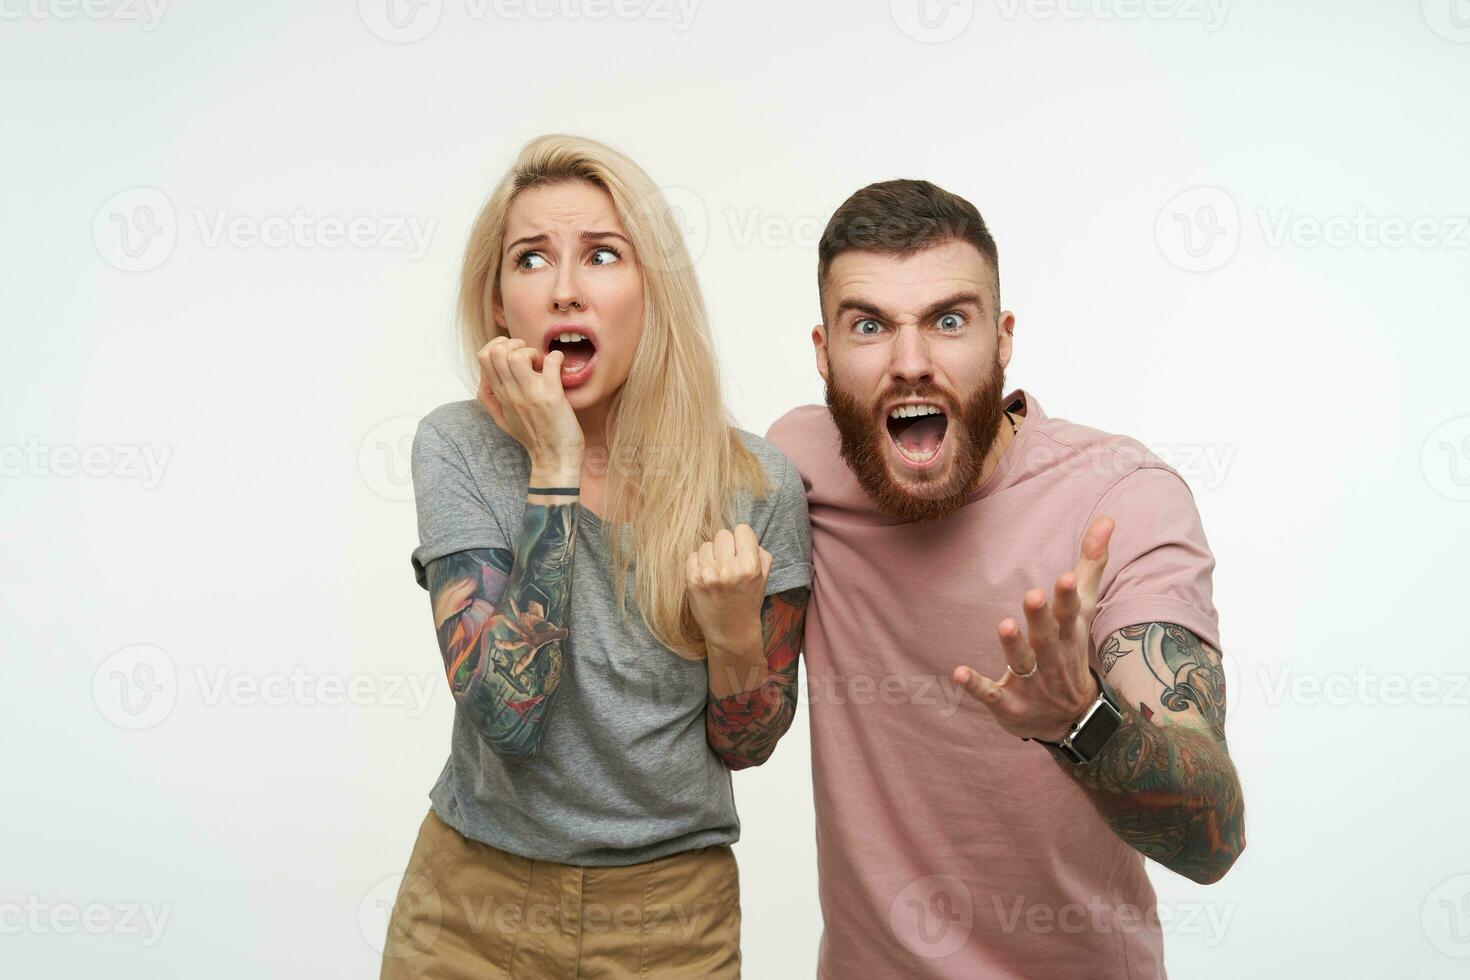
[
  {"x": 529, "y": 260},
  {"x": 611, "y": 255},
  {"x": 951, "y": 321},
  {"x": 861, "y": 327}
]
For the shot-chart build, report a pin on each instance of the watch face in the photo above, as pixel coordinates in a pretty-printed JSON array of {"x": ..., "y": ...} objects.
[{"x": 1095, "y": 732}]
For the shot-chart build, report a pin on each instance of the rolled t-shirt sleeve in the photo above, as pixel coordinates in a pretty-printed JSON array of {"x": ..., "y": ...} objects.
[
  {"x": 787, "y": 532},
  {"x": 453, "y": 514},
  {"x": 1160, "y": 568}
]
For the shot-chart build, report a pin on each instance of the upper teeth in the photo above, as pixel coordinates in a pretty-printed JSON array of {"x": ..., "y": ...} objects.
[
  {"x": 909, "y": 411},
  {"x": 569, "y": 338}
]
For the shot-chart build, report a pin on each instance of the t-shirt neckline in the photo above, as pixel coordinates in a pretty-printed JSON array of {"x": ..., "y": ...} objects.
[{"x": 1015, "y": 449}]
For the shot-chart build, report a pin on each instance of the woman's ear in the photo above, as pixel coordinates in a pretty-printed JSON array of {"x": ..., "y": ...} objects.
[{"x": 497, "y": 311}]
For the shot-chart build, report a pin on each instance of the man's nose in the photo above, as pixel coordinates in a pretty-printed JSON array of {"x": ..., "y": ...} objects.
[{"x": 910, "y": 362}]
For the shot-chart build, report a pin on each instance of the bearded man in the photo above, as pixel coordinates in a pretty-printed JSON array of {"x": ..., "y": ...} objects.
[{"x": 1001, "y": 834}]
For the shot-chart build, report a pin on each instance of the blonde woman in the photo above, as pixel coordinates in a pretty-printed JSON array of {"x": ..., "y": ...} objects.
[{"x": 618, "y": 580}]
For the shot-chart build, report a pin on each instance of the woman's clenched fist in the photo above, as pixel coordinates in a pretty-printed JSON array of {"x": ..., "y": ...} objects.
[{"x": 726, "y": 580}]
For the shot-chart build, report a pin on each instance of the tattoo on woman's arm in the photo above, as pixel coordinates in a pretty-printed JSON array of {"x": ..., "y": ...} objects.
[
  {"x": 501, "y": 620},
  {"x": 743, "y": 728}
]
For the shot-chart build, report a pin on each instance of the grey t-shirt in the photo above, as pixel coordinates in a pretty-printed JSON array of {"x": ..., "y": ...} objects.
[{"x": 624, "y": 773}]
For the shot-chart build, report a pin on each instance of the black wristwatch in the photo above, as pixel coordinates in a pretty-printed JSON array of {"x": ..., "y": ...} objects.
[{"x": 1091, "y": 732}]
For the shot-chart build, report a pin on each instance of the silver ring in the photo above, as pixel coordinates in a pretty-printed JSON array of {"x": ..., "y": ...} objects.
[{"x": 1021, "y": 675}]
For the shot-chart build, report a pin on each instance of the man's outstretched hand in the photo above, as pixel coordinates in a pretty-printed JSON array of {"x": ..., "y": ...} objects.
[{"x": 1045, "y": 704}]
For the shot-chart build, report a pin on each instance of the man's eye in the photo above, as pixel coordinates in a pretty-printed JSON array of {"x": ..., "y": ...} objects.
[
  {"x": 951, "y": 322},
  {"x": 612, "y": 255},
  {"x": 861, "y": 327}
]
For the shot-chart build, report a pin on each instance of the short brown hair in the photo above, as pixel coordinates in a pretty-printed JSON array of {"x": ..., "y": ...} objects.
[{"x": 901, "y": 217}]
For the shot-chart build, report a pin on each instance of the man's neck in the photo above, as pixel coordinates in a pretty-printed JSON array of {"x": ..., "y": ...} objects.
[{"x": 1005, "y": 434}]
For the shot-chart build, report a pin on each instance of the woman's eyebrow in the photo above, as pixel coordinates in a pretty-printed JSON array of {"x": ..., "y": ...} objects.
[
  {"x": 586, "y": 236},
  {"x": 592, "y": 236},
  {"x": 528, "y": 240}
]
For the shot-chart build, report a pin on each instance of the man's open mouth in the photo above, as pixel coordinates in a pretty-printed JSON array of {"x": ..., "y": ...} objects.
[{"x": 917, "y": 432}]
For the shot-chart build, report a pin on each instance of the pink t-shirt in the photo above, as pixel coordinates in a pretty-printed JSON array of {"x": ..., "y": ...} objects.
[{"x": 947, "y": 847}]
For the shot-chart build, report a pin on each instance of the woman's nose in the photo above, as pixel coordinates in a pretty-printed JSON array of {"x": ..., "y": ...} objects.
[{"x": 567, "y": 294}]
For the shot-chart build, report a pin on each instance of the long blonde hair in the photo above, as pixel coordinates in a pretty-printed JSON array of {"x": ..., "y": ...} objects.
[{"x": 676, "y": 464}]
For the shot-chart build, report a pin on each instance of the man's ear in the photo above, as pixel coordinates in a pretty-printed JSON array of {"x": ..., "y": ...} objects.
[
  {"x": 1005, "y": 328},
  {"x": 819, "y": 342}
]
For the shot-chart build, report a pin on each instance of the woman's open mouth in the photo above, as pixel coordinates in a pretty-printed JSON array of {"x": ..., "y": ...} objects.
[
  {"x": 580, "y": 353},
  {"x": 917, "y": 433}
]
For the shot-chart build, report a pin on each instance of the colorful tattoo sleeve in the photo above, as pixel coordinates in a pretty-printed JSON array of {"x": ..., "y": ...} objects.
[
  {"x": 743, "y": 728},
  {"x": 501, "y": 620},
  {"x": 1164, "y": 782}
]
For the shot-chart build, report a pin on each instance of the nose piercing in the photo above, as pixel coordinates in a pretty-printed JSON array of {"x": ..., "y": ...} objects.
[{"x": 576, "y": 302}]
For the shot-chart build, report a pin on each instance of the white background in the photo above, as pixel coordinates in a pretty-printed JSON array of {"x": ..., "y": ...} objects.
[{"x": 1312, "y": 392}]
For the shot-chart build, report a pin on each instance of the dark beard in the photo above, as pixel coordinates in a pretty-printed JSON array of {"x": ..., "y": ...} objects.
[{"x": 970, "y": 434}]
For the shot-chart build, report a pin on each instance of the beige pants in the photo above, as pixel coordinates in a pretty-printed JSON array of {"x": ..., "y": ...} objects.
[{"x": 466, "y": 909}]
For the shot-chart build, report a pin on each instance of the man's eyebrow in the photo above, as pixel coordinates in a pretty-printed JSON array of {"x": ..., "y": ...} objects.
[
  {"x": 968, "y": 297},
  {"x": 586, "y": 236}
]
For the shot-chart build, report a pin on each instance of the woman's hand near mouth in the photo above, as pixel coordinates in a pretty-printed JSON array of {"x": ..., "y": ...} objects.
[{"x": 531, "y": 405}]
